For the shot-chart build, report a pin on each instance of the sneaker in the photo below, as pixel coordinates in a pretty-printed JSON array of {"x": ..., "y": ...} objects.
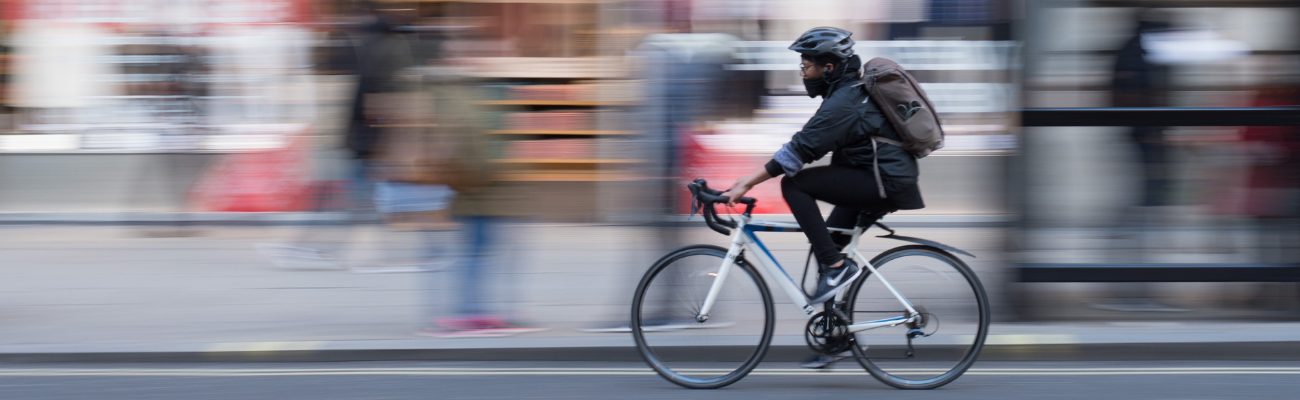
[
  {"x": 823, "y": 361},
  {"x": 835, "y": 280}
]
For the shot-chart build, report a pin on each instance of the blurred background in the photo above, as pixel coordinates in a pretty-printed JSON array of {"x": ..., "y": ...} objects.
[{"x": 193, "y": 171}]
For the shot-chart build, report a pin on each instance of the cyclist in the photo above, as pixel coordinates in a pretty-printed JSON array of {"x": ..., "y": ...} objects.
[{"x": 863, "y": 174}]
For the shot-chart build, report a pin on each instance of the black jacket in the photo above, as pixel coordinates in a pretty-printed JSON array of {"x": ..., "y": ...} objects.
[
  {"x": 843, "y": 126},
  {"x": 381, "y": 51}
]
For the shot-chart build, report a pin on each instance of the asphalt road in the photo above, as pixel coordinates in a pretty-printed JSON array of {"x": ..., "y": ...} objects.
[{"x": 990, "y": 380}]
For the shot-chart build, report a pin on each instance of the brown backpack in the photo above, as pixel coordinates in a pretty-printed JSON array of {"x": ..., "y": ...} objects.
[{"x": 905, "y": 105}]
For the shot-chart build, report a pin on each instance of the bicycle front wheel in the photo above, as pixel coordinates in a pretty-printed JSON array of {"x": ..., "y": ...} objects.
[
  {"x": 954, "y": 318},
  {"x": 694, "y": 354}
]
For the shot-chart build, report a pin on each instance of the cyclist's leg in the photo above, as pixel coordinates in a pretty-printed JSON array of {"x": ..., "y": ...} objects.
[
  {"x": 477, "y": 237},
  {"x": 841, "y": 186},
  {"x": 842, "y": 218}
]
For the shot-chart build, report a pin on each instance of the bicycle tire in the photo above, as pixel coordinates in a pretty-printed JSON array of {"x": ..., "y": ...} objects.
[
  {"x": 679, "y": 377},
  {"x": 971, "y": 354}
]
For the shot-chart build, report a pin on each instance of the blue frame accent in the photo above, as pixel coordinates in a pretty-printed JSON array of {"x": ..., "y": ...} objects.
[{"x": 749, "y": 233}]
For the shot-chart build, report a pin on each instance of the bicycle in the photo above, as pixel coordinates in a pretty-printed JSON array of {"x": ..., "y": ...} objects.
[{"x": 894, "y": 349}]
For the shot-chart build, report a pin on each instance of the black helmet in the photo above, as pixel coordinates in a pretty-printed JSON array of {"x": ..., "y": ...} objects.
[{"x": 825, "y": 41}]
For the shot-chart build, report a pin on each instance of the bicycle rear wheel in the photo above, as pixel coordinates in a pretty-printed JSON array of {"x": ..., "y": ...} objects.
[
  {"x": 693, "y": 354},
  {"x": 954, "y": 318}
]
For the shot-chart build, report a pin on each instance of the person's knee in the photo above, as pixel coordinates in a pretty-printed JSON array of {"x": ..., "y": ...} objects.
[{"x": 841, "y": 240}]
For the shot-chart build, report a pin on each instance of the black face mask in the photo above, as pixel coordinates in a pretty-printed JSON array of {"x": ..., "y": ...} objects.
[{"x": 816, "y": 86}]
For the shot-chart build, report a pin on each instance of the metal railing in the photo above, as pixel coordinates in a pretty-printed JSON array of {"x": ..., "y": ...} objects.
[{"x": 1148, "y": 272}]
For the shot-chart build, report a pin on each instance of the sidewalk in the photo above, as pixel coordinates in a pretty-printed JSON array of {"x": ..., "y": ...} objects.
[
  {"x": 87, "y": 293},
  {"x": 1006, "y": 342}
]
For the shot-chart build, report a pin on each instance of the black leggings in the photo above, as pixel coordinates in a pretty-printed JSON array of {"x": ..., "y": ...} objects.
[{"x": 851, "y": 190}]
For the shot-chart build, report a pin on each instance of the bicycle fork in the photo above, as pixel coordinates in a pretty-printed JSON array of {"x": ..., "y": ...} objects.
[{"x": 729, "y": 262}]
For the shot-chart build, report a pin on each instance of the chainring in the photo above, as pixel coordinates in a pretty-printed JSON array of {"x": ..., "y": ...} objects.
[{"x": 827, "y": 333}]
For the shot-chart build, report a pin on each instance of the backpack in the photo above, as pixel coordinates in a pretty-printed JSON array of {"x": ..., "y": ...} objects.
[{"x": 905, "y": 105}]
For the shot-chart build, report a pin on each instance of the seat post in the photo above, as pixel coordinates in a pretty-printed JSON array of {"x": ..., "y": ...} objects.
[{"x": 868, "y": 218}]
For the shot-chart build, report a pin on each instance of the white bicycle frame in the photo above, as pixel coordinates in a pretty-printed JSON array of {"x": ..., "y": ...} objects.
[{"x": 743, "y": 238}]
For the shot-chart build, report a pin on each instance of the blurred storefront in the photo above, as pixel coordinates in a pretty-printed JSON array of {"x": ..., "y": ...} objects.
[
  {"x": 136, "y": 75},
  {"x": 570, "y": 87},
  {"x": 1159, "y": 202},
  {"x": 126, "y": 103}
]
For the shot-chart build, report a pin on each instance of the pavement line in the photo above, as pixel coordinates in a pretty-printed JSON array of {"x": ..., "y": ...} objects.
[{"x": 238, "y": 372}]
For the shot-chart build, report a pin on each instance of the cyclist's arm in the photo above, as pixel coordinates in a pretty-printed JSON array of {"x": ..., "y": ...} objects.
[
  {"x": 760, "y": 176},
  {"x": 822, "y": 134},
  {"x": 744, "y": 183}
]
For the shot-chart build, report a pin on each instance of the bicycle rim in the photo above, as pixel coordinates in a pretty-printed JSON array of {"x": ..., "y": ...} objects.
[
  {"x": 954, "y": 310},
  {"x": 693, "y": 354}
]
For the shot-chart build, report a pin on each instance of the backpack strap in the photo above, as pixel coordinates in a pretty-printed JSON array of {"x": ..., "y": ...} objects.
[
  {"x": 875, "y": 149},
  {"x": 875, "y": 166}
]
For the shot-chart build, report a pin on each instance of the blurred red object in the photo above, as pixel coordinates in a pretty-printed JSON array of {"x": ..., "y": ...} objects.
[
  {"x": 1268, "y": 188},
  {"x": 257, "y": 181},
  {"x": 721, "y": 168}
]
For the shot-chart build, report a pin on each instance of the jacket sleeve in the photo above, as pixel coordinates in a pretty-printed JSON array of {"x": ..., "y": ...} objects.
[{"x": 822, "y": 134}]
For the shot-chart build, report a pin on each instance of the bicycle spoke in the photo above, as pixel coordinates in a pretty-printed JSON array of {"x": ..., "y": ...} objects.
[
  {"x": 698, "y": 354},
  {"x": 946, "y": 333}
]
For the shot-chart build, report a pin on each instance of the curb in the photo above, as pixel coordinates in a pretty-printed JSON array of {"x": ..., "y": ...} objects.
[{"x": 1203, "y": 351}]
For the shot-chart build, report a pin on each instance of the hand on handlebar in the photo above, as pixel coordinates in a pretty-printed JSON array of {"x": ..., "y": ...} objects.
[{"x": 737, "y": 191}]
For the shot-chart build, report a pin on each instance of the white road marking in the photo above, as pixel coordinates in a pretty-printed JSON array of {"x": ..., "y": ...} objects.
[{"x": 246, "y": 372}]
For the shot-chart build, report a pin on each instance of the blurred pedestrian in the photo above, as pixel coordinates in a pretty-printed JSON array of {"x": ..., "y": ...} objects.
[
  {"x": 1138, "y": 81},
  {"x": 412, "y": 165},
  {"x": 381, "y": 50},
  {"x": 171, "y": 106},
  {"x": 686, "y": 85},
  {"x": 482, "y": 206}
]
